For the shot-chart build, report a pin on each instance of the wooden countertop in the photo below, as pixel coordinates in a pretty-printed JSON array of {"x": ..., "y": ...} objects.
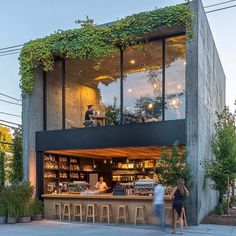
[{"x": 100, "y": 196}]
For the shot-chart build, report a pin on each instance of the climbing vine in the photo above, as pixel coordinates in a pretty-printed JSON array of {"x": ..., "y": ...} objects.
[{"x": 94, "y": 42}]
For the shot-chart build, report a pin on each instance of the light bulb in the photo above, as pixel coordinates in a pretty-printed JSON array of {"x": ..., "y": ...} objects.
[
  {"x": 132, "y": 62},
  {"x": 150, "y": 106},
  {"x": 130, "y": 90},
  {"x": 105, "y": 161}
]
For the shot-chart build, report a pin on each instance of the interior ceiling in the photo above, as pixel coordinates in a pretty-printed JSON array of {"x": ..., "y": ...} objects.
[
  {"x": 127, "y": 152},
  {"x": 145, "y": 57}
]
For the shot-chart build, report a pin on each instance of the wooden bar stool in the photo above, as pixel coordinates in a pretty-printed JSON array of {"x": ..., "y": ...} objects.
[
  {"x": 91, "y": 212},
  {"x": 125, "y": 210},
  {"x": 66, "y": 211},
  {"x": 57, "y": 207},
  {"x": 78, "y": 212},
  {"x": 140, "y": 214},
  {"x": 106, "y": 212}
]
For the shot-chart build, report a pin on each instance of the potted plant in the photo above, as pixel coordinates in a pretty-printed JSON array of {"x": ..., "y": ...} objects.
[
  {"x": 24, "y": 212},
  {"x": 24, "y": 193},
  {"x": 13, "y": 213},
  {"x": 37, "y": 210},
  {"x": 3, "y": 212}
]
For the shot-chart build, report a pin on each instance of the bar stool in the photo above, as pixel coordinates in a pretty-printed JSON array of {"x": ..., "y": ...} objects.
[
  {"x": 106, "y": 212},
  {"x": 140, "y": 214},
  {"x": 125, "y": 210},
  {"x": 91, "y": 212},
  {"x": 78, "y": 212},
  {"x": 66, "y": 211},
  {"x": 57, "y": 210}
]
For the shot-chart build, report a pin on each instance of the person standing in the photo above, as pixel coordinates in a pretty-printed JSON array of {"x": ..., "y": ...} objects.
[
  {"x": 159, "y": 203},
  {"x": 178, "y": 195},
  {"x": 101, "y": 186}
]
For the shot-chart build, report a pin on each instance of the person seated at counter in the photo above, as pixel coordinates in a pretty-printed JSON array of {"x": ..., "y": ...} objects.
[
  {"x": 101, "y": 185},
  {"x": 89, "y": 115}
]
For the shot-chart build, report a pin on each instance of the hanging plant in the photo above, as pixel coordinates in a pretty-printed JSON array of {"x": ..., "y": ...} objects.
[{"x": 94, "y": 42}]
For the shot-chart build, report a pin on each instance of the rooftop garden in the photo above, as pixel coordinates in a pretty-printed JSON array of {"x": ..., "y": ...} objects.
[{"x": 93, "y": 42}]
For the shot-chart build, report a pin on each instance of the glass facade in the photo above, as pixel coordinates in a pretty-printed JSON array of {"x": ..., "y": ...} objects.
[
  {"x": 94, "y": 83},
  {"x": 153, "y": 87},
  {"x": 54, "y": 98},
  {"x": 175, "y": 60},
  {"x": 143, "y": 83}
]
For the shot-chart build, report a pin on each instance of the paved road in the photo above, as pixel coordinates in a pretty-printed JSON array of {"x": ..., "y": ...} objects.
[{"x": 52, "y": 228}]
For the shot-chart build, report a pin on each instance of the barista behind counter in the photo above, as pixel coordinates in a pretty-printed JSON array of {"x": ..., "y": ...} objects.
[{"x": 101, "y": 186}]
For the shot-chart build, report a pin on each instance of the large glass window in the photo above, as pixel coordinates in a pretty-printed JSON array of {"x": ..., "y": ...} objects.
[
  {"x": 94, "y": 83},
  {"x": 175, "y": 54},
  {"x": 54, "y": 98},
  {"x": 143, "y": 83}
]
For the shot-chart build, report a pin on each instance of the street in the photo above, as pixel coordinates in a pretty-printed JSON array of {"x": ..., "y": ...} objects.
[{"x": 53, "y": 228}]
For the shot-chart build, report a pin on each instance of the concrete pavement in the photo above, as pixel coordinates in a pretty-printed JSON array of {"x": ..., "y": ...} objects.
[{"x": 53, "y": 228}]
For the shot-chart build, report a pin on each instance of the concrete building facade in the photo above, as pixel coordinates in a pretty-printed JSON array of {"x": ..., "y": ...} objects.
[{"x": 205, "y": 94}]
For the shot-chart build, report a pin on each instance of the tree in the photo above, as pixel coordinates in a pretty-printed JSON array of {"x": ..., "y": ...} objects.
[
  {"x": 173, "y": 166},
  {"x": 5, "y": 138},
  {"x": 2, "y": 169},
  {"x": 223, "y": 145},
  {"x": 17, "y": 163},
  {"x": 5, "y": 148}
]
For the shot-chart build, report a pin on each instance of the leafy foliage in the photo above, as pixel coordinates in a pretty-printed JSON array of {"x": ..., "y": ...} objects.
[
  {"x": 224, "y": 148},
  {"x": 5, "y": 136},
  {"x": 173, "y": 166},
  {"x": 93, "y": 42},
  {"x": 17, "y": 162},
  {"x": 2, "y": 169},
  {"x": 221, "y": 208},
  {"x": 17, "y": 199}
]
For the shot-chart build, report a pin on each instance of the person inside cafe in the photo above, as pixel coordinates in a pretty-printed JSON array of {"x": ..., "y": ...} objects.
[
  {"x": 89, "y": 116},
  {"x": 101, "y": 186}
]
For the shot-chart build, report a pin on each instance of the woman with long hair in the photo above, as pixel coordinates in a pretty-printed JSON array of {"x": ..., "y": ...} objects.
[{"x": 178, "y": 194}]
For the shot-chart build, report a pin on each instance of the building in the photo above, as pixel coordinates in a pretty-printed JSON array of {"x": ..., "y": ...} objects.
[{"x": 148, "y": 96}]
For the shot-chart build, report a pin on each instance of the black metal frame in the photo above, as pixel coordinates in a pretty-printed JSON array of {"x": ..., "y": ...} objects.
[
  {"x": 44, "y": 100},
  {"x": 63, "y": 79}
]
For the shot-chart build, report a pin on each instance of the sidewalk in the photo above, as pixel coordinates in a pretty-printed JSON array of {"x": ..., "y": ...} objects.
[{"x": 53, "y": 228}]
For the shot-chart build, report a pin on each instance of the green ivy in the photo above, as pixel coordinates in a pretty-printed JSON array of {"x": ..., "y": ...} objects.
[{"x": 94, "y": 42}]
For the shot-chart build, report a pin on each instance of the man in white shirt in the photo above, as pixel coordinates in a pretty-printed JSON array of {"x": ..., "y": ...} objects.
[
  {"x": 101, "y": 185},
  {"x": 159, "y": 204}
]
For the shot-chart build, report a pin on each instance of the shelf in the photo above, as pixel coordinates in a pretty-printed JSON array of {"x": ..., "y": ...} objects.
[{"x": 50, "y": 169}]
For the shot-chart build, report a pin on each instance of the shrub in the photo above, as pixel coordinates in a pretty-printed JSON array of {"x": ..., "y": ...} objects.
[
  {"x": 221, "y": 208},
  {"x": 37, "y": 207}
]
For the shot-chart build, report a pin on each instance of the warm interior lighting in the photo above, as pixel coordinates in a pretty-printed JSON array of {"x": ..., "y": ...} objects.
[
  {"x": 150, "y": 106},
  {"x": 185, "y": 63},
  {"x": 130, "y": 90},
  {"x": 173, "y": 102},
  {"x": 104, "y": 77},
  {"x": 111, "y": 161},
  {"x": 132, "y": 62},
  {"x": 179, "y": 86},
  {"x": 155, "y": 85},
  {"x": 105, "y": 161}
]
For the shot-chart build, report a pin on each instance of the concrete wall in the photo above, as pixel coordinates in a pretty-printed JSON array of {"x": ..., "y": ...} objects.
[
  {"x": 205, "y": 96},
  {"x": 32, "y": 122}
]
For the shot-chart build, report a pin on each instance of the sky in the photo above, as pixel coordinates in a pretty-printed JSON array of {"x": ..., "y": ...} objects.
[{"x": 21, "y": 21}]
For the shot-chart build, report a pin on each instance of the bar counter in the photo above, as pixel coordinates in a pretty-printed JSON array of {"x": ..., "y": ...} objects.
[{"x": 99, "y": 199}]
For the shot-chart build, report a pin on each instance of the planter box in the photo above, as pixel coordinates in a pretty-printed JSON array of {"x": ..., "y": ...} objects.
[
  {"x": 3, "y": 219},
  {"x": 11, "y": 220},
  {"x": 37, "y": 217},
  {"x": 25, "y": 219}
]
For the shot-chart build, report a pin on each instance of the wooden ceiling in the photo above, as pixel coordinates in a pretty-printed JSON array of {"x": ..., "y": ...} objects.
[{"x": 127, "y": 152}]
